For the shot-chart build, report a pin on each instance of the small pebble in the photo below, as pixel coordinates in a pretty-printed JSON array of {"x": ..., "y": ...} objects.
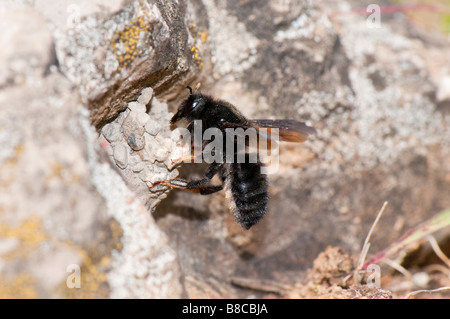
[
  {"x": 147, "y": 154},
  {"x": 158, "y": 108},
  {"x": 146, "y": 96},
  {"x": 152, "y": 127},
  {"x": 157, "y": 177},
  {"x": 146, "y": 173},
  {"x": 143, "y": 118},
  {"x": 121, "y": 156},
  {"x": 172, "y": 174},
  {"x": 136, "y": 142},
  {"x": 138, "y": 167},
  {"x": 132, "y": 125},
  {"x": 161, "y": 154},
  {"x": 111, "y": 132},
  {"x": 136, "y": 107},
  {"x": 122, "y": 116}
]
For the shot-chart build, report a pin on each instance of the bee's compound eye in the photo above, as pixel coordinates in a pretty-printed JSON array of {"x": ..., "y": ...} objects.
[{"x": 194, "y": 105}]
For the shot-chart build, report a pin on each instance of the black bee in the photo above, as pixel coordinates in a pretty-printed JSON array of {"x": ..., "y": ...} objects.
[{"x": 246, "y": 188}]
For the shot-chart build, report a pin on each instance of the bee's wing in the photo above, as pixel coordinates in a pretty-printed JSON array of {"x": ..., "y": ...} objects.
[{"x": 288, "y": 130}]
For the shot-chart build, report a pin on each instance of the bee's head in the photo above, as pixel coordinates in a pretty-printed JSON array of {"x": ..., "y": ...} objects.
[{"x": 191, "y": 108}]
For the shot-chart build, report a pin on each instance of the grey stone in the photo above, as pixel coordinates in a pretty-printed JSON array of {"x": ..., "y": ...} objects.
[
  {"x": 136, "y": 142},
  {"x": 136, "y": 107},
  {"x": 132, "y": 126},
  {"x": 146, "y": 96},
  {"x": 152, "y": 127},
  {"x": 78, "y": 213},
  {"x": 121, "y": 156},
  {"x": 21, "y": 63},
  {"x": 113, "y": 57},
  {"x": 111, "y": 132}
]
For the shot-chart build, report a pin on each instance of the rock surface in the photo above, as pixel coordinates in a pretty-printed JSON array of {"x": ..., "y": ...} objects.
[
  {"x": 85, "y": 102},
  {"x": 67, "y": 218}
]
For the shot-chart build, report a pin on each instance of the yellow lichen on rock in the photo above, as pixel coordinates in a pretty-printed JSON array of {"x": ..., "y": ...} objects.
[
  {"x": 124, "y": 42},
  {"x": 196, "y": 57},
  {"x": 21, "y": 286},
  {"x": 199, "y": 37},
  {"x": 29, "y": 233}
]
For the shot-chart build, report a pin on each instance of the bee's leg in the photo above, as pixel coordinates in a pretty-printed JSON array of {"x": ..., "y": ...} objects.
[
  {"x": 196, "y": 186},
  {"x": 184, "y": 158},
  {"x": 197, "y": 157}
]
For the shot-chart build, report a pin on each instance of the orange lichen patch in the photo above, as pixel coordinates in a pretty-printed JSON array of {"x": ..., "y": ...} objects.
[
  {"x": 196, "y": 57},
  {"x": 20, "y": 286},
  {"x": 58, "y": 171},
  {"x": 200, "y": 37},
  {"x": 117, "y": 233},
  {"x": 7, "y": 171},
  {"x": 124, "y": 42},
  {"x": 93, "y": 275},
  {"x": 95, "y": 264},
  {"x": 18, "y": 150},
  {"x": 29, "y": 232},
  {"x": 203, "y": 36}
]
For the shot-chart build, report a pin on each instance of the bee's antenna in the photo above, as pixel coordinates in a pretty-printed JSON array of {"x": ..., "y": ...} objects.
[{"x": 190, "y": 89}]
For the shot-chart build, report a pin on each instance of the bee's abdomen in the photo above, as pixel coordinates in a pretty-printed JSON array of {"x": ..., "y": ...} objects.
[{"x": 247, "y": 191}]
